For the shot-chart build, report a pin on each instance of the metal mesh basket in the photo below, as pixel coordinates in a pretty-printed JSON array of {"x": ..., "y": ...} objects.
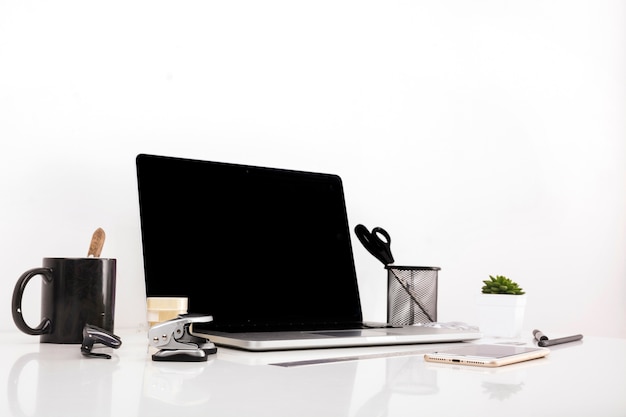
[{"x": 412, "y": 294}]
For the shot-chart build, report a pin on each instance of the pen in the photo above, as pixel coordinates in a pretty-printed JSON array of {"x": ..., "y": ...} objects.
[
  {"x": 550, "y": 342},
  {"x": 539, "y": 335}
]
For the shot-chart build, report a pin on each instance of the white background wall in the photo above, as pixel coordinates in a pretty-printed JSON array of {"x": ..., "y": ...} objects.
[{"x": 488, "y": 137}]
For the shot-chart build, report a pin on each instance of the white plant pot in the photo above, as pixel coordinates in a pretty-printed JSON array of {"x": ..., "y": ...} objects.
[{"x": 501, "y": 315}]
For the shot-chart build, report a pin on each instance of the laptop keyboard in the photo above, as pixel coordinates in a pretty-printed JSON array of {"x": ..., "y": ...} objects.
[{"x": 301, "y": 327}]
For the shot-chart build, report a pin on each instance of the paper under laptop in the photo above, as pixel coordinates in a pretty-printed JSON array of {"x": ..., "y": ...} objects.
[{"x": 267, "y": 252}]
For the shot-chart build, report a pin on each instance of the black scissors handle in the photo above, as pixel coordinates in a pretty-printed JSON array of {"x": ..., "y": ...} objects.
[{"x": 380, "y": 248}]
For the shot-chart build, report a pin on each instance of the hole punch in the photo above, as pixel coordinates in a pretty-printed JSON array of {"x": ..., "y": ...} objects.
[
  {"x": 92, "y": 335},
  {"x": 176, "y": 342}
]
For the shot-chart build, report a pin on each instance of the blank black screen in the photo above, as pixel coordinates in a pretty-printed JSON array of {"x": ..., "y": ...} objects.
[{"x": 251, "y": 246}]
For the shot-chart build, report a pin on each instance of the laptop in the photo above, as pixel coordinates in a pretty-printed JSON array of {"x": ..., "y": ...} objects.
[{"x": 266, "y": 252}]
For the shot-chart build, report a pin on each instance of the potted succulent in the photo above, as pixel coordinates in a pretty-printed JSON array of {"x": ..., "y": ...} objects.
[{"x": 501, "y": 306}]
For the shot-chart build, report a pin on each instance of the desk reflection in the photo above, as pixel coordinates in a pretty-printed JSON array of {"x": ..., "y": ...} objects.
[
  {"x": 64, "y": 379},
  {"x": 176, "y": 384},
  {"x": 403, "y": 376},
  {"x": 499, "y": 383},
  {"x": 191, "y": 388}
]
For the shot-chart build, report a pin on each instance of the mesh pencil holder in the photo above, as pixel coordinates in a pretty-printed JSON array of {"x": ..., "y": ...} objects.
[{"x": 411, "y": 294}]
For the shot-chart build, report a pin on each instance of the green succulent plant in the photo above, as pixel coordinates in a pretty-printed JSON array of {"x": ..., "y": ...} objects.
[{"x": 501, "y": 285}]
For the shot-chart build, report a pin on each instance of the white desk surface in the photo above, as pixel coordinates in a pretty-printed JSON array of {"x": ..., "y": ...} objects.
[{"x": 586, "y": 378}]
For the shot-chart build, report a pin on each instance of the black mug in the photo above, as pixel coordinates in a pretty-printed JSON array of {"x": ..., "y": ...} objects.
[{"x": 74, "y": 292}]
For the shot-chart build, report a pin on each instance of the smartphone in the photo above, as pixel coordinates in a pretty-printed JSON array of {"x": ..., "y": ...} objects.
[{"x": 486, "y": 355}]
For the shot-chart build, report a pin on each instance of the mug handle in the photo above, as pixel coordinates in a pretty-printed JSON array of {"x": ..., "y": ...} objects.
[{"x": 16, "y": 304}]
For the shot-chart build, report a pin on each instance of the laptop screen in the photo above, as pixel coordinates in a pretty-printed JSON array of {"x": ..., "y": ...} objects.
[{"x": 251, "y": 246}]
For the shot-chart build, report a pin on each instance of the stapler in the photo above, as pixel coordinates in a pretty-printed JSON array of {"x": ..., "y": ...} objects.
[{"x": 177, "y": 344}]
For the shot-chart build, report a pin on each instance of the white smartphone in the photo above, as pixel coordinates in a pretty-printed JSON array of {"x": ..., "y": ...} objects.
[{"x": 486, "y": 355}]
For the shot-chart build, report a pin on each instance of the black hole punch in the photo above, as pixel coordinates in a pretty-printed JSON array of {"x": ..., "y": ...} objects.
[{"x": 92, "y": 335}]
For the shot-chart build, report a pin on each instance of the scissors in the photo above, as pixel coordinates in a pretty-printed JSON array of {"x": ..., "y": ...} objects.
[{"x": 377, "y": 246}]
